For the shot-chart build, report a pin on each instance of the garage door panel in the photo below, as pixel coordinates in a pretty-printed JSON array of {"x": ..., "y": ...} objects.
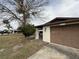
[{"x": 66, "y": 35}]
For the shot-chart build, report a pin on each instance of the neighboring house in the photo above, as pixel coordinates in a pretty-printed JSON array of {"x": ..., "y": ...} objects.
[{"x": 61, "y": 30}]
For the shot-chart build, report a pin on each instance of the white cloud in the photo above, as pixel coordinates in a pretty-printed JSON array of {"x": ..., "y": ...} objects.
[
  {"x": 14, "y": 24},
  {"x": 71, "y": 11},
  {"x": 63, "y": 8},
  {"x": 2, "y": 27}
]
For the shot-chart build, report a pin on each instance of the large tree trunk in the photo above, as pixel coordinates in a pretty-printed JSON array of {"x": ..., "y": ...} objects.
[{"x": 24, "y": 19}]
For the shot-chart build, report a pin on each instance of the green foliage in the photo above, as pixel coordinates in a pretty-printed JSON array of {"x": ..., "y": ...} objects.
[
  {"x": 5, "y": 30},
  {"x": 7, "y": 24},
  {"x": 28, "y": 30}
]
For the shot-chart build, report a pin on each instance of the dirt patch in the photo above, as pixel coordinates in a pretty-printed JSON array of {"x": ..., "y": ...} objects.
[{"x": 15, "y": 48}]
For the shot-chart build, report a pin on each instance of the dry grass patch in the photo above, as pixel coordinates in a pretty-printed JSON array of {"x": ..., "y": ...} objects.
[{"x": 17, "y": 47}]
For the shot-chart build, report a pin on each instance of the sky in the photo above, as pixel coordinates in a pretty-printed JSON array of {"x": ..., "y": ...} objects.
[
  {"x": 60, "y": 8},
  {"x": 55, "y": 8},
  {"x": 66, "y": 8}
]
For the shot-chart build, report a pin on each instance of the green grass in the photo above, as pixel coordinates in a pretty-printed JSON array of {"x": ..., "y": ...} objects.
[{"x": 28, "y": 48}]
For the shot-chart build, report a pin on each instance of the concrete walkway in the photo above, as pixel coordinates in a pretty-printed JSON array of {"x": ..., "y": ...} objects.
[
  {"x": 48, "y": 53},
  {"x": 51, "y": 52}
]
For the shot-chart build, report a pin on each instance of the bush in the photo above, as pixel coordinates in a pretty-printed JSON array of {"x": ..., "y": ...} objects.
[
  {"x": 6, "y": 30},
  {"x": 28, "y": 30}
]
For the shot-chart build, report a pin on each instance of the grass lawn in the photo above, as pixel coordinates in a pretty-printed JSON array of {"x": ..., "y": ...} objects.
[{"x": 17, "y": 47}]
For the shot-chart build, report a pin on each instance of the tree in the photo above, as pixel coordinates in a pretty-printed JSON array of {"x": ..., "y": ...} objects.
[
  {"x": 26, "y": 7},
  {"x": 27, "y": 30},
  {"x": 6, "y": 19},
  {"x": 7, "y": 24}
]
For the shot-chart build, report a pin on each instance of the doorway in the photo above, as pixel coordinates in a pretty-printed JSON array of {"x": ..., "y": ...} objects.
[{"x": 41, "y": 35}]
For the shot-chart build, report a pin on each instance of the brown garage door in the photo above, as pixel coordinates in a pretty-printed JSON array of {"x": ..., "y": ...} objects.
[{"x": 66, "y": 35}]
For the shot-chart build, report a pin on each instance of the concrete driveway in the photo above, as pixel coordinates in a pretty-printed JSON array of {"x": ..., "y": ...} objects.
[{"x": 51, "y": 52}]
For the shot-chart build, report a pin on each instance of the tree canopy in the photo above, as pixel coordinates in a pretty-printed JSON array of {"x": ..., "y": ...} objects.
[{"x": 27, "y": 7}]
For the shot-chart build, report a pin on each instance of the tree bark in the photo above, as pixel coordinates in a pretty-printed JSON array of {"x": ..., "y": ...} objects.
[{"x": 24, "y": 19}]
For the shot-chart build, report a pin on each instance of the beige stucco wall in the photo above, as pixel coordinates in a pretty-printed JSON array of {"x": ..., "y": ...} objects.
[
  {"x": 46, "y": 33},
  {"x": 37, "y": 34}
]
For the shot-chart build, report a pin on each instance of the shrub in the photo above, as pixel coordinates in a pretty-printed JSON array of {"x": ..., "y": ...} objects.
[{"x": 28, "y": 30}]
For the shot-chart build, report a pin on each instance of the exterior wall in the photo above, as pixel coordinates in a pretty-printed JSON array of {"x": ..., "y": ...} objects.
[
  {"x": 37, "y": 34},
  {"x": 46, "y": 33},
  {"x": 66, "y": 35}
]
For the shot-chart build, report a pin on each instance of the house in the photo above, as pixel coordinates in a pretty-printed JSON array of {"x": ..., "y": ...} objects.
[{"x": 61, "y": 30}]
